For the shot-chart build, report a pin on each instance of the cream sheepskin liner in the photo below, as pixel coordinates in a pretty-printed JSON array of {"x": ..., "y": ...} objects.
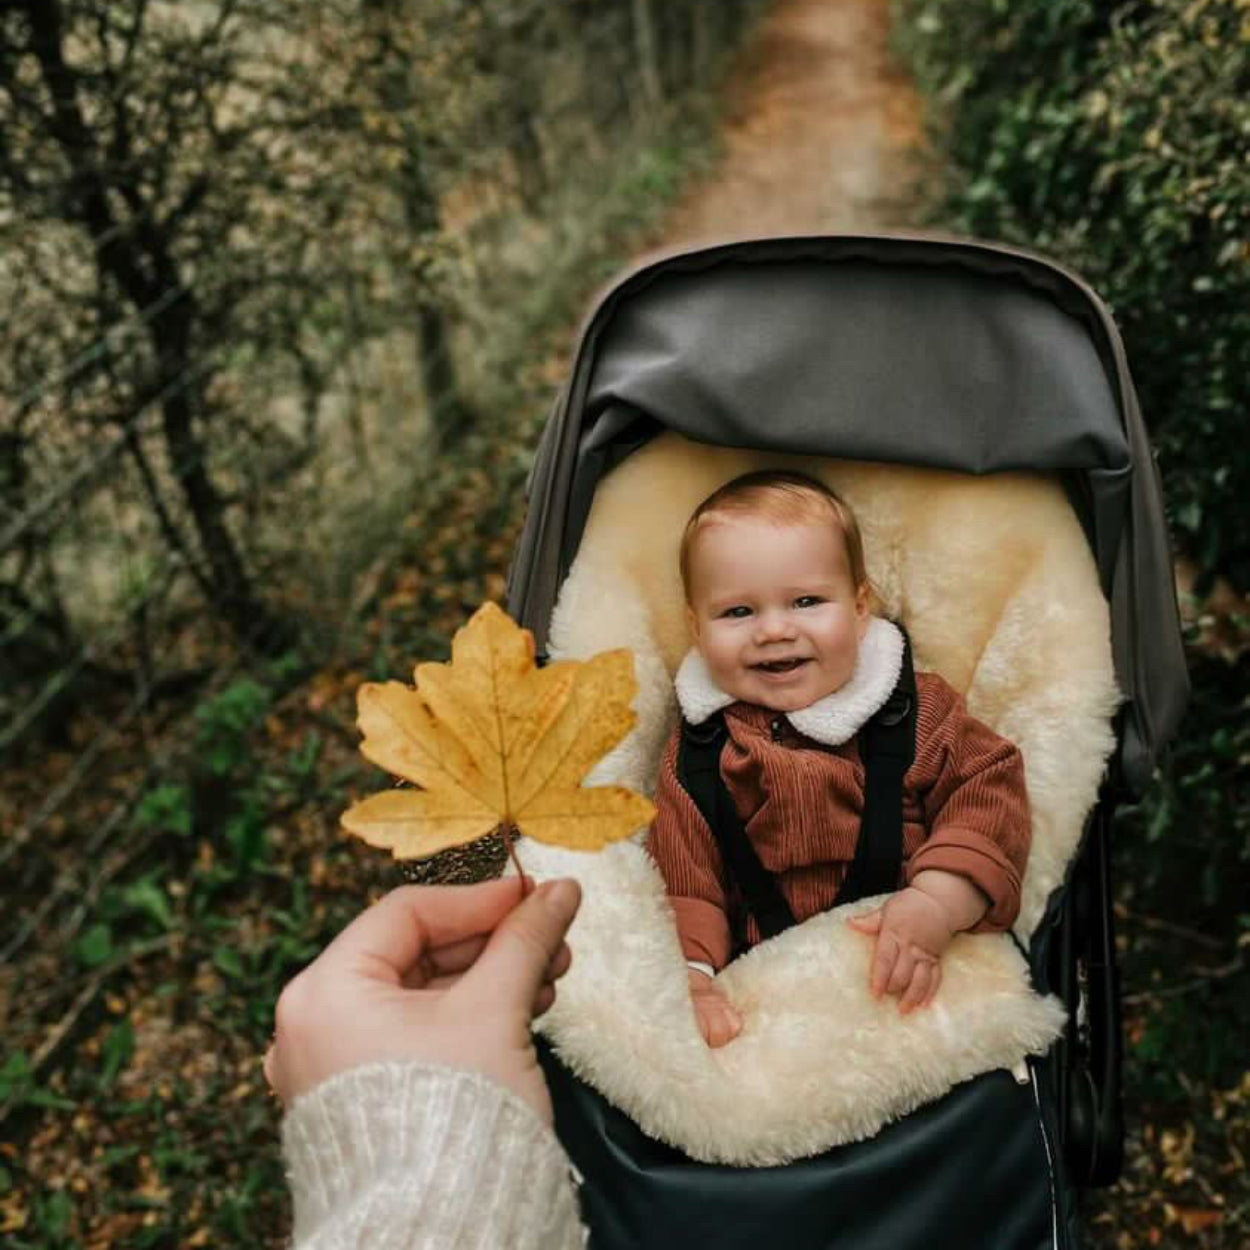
[{"x": 995, "y": 582}]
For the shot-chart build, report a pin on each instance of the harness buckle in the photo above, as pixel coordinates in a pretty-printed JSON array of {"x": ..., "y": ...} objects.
[
  {"x": 897, "y": 707},
  {"x": 704, "y": 732}
]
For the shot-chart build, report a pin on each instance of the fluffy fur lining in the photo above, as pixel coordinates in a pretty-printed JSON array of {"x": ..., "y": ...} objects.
[
  {"x": 995, "y": 583},
  {"x": 832, "y": 720}
]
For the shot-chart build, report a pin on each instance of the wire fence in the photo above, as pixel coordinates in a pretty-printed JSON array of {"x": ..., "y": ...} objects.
[{"x": 163, "y": 454}]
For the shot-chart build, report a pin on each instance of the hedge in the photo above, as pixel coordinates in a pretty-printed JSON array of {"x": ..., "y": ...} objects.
[{"x": 1114, "y": 137}]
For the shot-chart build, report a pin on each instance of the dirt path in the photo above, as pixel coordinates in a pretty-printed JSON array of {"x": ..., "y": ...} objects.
[{"x": 823, "y": 130}]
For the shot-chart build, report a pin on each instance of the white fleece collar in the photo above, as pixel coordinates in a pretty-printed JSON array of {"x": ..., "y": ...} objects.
[{"x": 833, "y": 720}]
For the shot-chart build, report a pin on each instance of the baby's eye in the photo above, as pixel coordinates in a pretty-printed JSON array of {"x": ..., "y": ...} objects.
[
  {"x": 737, "y": 612},
  {"x": 808, "y": 601}
]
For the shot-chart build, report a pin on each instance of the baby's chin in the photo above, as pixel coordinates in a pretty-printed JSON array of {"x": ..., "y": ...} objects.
[
  {"x": 781, "y": 698},
  {"x": 792, "y": 704}
]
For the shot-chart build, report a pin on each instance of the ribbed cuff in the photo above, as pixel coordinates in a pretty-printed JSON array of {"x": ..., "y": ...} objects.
[
  {"x": 971, "y": 855},
  {"x": 703, "y": 930},
  {"x": 410, "y": 1155}
]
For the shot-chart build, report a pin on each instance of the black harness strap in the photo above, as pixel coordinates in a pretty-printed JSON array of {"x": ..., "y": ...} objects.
[
  {"x": 887, "y": 749},
  {"x": 698, "y": 770}
]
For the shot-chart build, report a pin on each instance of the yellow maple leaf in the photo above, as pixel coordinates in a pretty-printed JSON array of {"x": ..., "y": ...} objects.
[{"x": 492, "y": 740}]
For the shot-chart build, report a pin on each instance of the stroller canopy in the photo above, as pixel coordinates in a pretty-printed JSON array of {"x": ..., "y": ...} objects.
[{"x": 922, "y": 351}]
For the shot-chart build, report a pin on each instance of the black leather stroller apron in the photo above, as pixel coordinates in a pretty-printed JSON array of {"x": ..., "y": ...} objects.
[{"x": 974, "y": 1169}]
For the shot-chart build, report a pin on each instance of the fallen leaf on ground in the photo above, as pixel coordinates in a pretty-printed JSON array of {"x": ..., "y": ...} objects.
[{"x": 1194, "y": 1219}]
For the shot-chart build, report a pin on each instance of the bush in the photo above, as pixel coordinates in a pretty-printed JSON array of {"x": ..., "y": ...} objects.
[{"x": 1112, "y": 137}]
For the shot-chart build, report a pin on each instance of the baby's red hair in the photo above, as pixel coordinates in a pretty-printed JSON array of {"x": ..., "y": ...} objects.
[{"x": 782, "y": 498}]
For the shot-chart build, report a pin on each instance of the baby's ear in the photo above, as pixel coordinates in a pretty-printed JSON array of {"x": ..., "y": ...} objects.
[
  {"x": 692, "y": 624},
  {"x": 864, "y": 599}
]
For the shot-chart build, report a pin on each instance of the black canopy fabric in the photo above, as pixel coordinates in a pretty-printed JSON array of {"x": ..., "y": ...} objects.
[{"x": 937, "y": 352}]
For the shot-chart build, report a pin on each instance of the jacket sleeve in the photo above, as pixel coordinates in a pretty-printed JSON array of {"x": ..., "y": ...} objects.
[
  {"x": 685, "y": 852},
  {"x": 418, "y": 1156},
  {"x": 976, "y": 806}
]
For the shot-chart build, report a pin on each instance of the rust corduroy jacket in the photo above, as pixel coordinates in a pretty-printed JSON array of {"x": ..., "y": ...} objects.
[{"x": 965, "y": 810}]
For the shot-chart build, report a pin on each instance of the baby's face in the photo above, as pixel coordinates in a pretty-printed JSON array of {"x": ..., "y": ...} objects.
[{"x": 774, "y": 611}]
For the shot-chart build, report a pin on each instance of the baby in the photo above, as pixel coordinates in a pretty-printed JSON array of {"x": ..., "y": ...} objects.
[{"x": 780, "y": 608}]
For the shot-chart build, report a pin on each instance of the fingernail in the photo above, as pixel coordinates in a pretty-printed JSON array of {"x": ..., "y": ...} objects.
[{"x": 560, "y": 895}]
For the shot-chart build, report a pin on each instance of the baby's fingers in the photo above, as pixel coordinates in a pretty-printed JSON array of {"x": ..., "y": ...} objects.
[
  {"x": 935, "y": 979},
  {"x": 884, "y": 960},
  {"x": 869, "y": 922},
  {"x": 917, "y": 992},
  {"x": 723, "y": 1031},
  {"x": 719, "y": 1022},
  {"x": 904, "y": 969}
]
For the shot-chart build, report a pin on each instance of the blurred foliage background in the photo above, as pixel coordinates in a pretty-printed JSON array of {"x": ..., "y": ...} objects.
[
  {"x": 283, "y": 288},
  {"x": 286, "y": 291}
]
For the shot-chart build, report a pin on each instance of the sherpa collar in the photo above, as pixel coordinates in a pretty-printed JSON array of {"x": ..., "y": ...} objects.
[{"x": 833, "y": 720}]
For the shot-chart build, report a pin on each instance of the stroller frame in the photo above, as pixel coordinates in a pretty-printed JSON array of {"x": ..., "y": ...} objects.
[{"x": 959, "y": 303}]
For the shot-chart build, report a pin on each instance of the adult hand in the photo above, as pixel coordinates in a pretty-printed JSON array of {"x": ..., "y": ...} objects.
[{"x": 442, "y": 974}]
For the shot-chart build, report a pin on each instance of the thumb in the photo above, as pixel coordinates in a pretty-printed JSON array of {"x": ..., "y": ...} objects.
[
  {"x": 869, "y": 922},
  {"x": 514, "y": 964}
]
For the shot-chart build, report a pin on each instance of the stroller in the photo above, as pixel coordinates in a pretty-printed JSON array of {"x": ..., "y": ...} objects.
[{"x": 974, "y": 406}]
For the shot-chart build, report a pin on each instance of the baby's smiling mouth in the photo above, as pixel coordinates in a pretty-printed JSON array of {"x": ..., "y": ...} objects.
[{"x": 781, "y": 666}]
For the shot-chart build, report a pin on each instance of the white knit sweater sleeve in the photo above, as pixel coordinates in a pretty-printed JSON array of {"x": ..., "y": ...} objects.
[{"x": 408, "y": 1156}]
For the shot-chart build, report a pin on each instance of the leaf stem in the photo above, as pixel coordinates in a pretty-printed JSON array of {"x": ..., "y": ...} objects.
[{"x": 510, "y": 835}]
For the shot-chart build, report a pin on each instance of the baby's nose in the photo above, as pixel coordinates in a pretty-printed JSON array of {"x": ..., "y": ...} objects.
[{"x": 774, "y": 626}]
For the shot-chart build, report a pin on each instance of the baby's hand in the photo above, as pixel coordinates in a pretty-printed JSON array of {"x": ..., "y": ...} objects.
[
  {"x": 912, "y": 930},
  {"x": 719, "y": 1020}
]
